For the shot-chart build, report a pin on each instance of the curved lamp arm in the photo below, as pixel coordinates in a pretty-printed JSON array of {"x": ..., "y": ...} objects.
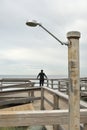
[{"x": 34, "y": 23}]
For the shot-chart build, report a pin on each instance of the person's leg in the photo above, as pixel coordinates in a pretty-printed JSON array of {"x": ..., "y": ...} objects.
[{"x": 40, "y": 83}]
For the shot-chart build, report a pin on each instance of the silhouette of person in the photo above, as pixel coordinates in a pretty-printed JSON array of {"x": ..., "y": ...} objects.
[{"x": 41, "y": 77}]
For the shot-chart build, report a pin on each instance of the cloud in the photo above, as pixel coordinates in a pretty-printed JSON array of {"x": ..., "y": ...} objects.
[{"x": 24, "y": 49}]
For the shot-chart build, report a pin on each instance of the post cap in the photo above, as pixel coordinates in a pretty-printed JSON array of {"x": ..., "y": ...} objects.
[{"x": 73, "y": 34}]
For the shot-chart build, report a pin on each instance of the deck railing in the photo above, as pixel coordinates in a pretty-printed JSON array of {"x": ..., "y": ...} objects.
[
  {"x": 57, "y": 116},
  {"x": 61, "y": 84}
]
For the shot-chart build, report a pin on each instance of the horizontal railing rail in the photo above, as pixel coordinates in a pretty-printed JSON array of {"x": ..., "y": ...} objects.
[
  {"x": 46, "y": 117},
  {"x": 62, "y": 96},
  {"x": 60, "y": 83}
]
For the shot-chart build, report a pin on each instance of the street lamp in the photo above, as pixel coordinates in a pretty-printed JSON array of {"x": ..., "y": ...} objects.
[
  {"x": 34, "y": 23},
  {"x": 73, "y": 73}
]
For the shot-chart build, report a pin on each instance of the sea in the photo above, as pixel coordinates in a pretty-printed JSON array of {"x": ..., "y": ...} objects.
[{"x": 32, "y": 76}]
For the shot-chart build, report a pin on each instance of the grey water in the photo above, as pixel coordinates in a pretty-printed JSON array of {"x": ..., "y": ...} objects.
[{"x": 32, "y": 76}]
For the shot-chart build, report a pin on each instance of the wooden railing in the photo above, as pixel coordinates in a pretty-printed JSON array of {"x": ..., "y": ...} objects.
[
  {"x": 54, "y": 117},
  {"x": 60, "y": 101},
  {"x": 61, "y": 84},
  {"x": 46, "y": 117},
  {"x": 43, "y": 117}
]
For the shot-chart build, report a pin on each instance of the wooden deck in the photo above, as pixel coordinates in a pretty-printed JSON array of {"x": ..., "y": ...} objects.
[{"x": 50, "y": 104}]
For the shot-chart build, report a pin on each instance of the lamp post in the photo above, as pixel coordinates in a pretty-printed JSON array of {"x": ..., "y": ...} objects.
[{"x": 73, "y": 73}]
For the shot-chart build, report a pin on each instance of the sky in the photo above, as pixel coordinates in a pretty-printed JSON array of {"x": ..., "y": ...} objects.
[{"x": 26, "y": 50}]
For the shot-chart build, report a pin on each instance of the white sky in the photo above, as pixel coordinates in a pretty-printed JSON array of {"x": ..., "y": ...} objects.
[{"x": 26, "y": 50}]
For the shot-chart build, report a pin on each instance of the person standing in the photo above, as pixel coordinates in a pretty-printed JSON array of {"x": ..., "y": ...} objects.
[{"x": 41, "y": 77}]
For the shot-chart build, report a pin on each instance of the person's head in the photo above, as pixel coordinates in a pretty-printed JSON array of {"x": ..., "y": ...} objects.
[{"x": 41, "y": 71}]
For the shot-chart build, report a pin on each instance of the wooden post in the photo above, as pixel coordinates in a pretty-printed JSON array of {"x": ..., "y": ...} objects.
[
  {"x": 1, "y": 85},
  {"x": 74, "y": 80},
  {"x": 85, "y": 126},
  {"x": 59, "y": 85},
  {"x": 67, "y": 89},
  {"x": 56, "y": 106},
  {"x": 47, "y": 82},
  {"x": 56, "y": 102},
  {"x": 42, "y": 98},
  {"x": 32, "y": 92},
  {"x": 52, "y": 83}
]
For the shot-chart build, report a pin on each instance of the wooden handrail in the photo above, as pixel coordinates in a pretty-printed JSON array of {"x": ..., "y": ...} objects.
[
  {"x": 83, "y": 104},
  {"x": 46, "y": 117},
  {"x": 2, "y": 93}
]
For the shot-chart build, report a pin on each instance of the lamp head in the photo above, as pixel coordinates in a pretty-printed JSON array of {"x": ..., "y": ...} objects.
[{"x": 32, "y": 23}]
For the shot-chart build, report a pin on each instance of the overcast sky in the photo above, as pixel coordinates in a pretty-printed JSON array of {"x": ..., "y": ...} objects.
[{"x": 25, "y": 50}]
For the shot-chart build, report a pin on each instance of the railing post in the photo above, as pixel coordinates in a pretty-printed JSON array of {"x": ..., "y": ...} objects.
[
  {"x": 42, "y": 98},
  {"x": 56, "y": 106},
  {"x": 1, "y": 85},
  {"x": 74, "y": 80},
  {"x": 47, "y": 82},
  {"x": 56, "y": 102},
  {"x": 85, "y": 126},
  {"x": 67, "y": 89},
  {"x": 52, "y": 83},
  {"x": 31, "y": 93},
  {"x": 59, "y": 85}
]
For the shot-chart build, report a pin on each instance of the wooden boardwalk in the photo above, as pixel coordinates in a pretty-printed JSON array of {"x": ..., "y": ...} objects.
[{"x": 45, "y": 100}]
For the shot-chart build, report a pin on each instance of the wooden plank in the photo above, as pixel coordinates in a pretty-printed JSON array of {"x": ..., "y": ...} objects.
[
  {"x": 49, "y": 102},
  {"x": 59, "y": 94},
  {"x": 25, "y": 85},
  {"x": 19, "y": 108},
  {"x": 45, "y": 117},
  {"x": 26, "y": 118},
  {"x": 18, "y": 100},
  {"x": 18, "y": 91},
  {"x": 83, "y": 104}
]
